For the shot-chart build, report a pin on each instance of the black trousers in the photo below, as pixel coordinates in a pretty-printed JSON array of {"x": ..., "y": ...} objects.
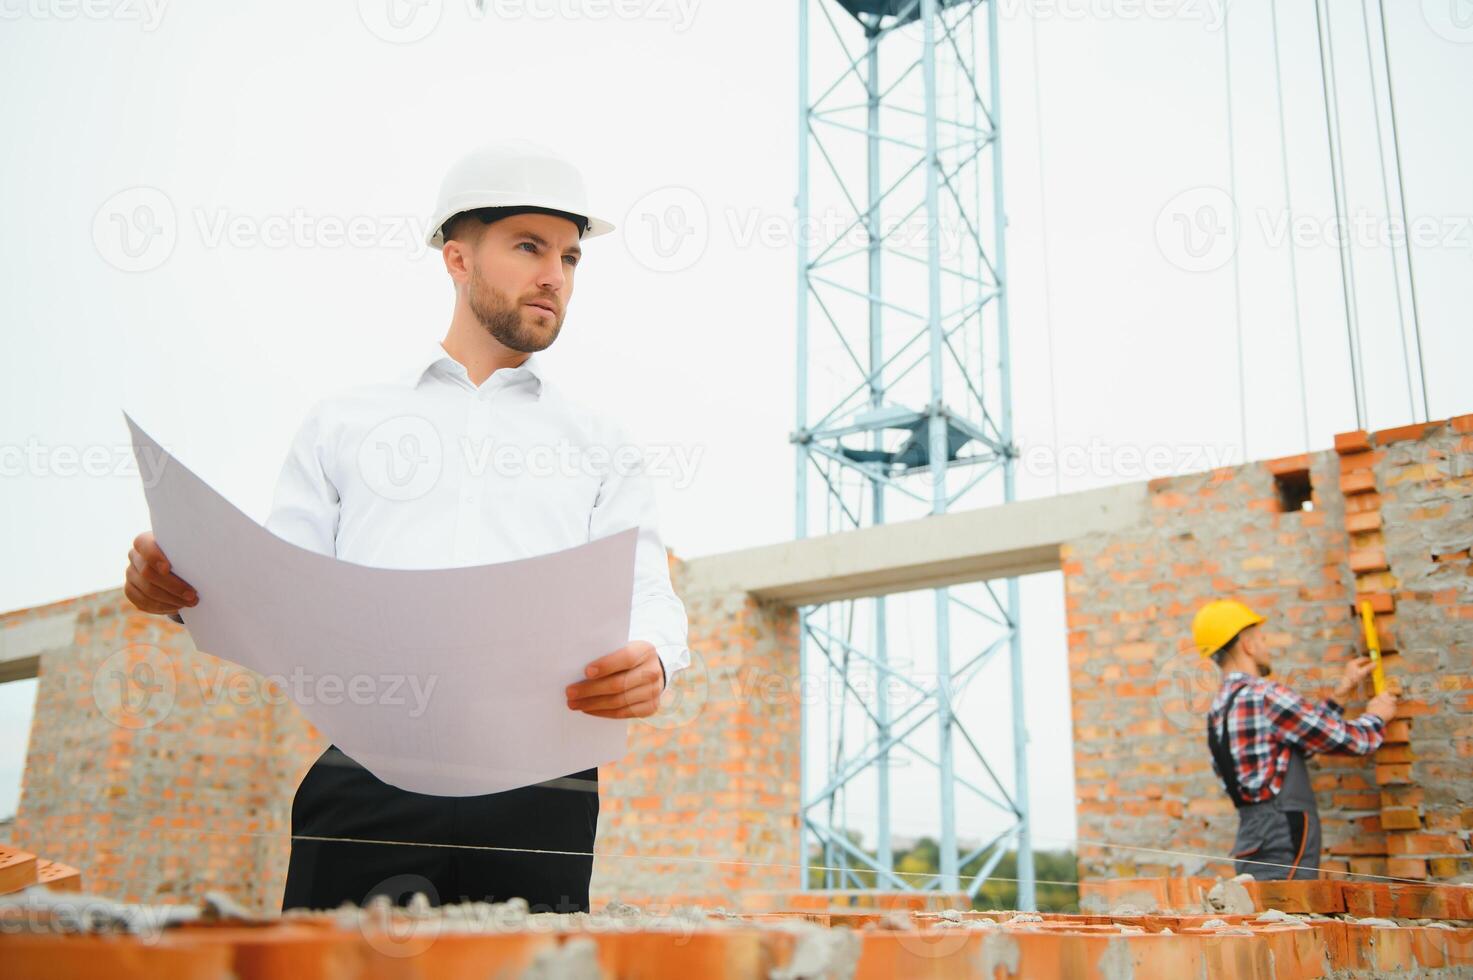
[{"x": 340, "y": 798}]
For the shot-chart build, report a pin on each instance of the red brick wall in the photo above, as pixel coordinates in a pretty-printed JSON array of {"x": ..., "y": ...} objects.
[
  {"x": 715, "y": 777},
  {"x": 1140, "y": 691},
  {"x": 162, "y": 772},
  {"x": 135, "y": 777},
  {"x": 1409, "y": 541}
]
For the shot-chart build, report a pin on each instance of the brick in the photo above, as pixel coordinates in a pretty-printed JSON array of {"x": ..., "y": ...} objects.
[
  {"x": 1406, "y": 867},
  {"x": 1136, "y": 651},
  {"x": 1398, "y": 731},
  {"x": 1352, "y": 442},
  {"x": 1393, "y": 796},
  {"x": 1400, "y": 818},
  {"x": 1297, "y": 897},
  {"x": 1360, "y": 481},
  {"x": 1361, "y": 461},
  {"x": 1415, "y": 843},
  {"x": 1396, "y": 774},
  {"x": 1406, "y": 901},
  {"x": 17, "y": 869},
  {"x": 1365, "y": 521},
  {"x": 1412, "y": 708},
  {"x": 1368, "y": 560},
  {"x": 1402, "y": 433},
  {"x": 1442, "y": 867},
  {"x": 1382, "y": 603},
  {"x": 1395, "y": 753},
  {"x": 1361, "y": 844},
  {"x": 1357, "y": 801},
  {"x": 1415, "y": 473},
  {"x": 57, "y": 876},
  {"x": 1286, "y": 465}
]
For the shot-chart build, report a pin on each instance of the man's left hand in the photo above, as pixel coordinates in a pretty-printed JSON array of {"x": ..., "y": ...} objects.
[
  {"x": 624, "y": 684},
  {"x": 1355, "y": 672}
]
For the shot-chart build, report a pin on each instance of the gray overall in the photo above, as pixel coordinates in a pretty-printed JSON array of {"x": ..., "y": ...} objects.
[{"x": 1278, "y": 838}]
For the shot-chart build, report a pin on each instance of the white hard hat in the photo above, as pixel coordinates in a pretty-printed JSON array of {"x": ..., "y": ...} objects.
[{"x": 512, "y": 173}]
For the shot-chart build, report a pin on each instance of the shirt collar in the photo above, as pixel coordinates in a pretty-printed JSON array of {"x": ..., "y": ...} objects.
[{"x": 436, "y": 358}]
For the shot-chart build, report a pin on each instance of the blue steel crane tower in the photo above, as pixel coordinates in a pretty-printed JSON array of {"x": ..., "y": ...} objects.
[{"x": 904, "y": 410}]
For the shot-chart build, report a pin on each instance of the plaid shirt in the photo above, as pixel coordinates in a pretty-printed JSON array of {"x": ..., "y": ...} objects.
[{"x": 1269, "y": 720}]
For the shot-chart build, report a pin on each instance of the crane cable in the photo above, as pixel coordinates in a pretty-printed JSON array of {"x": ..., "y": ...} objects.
[
  {"x": 1347, "y": 258},
  {"x": 1227, "y": 62},
  {"x": 1401, "y": 324},
  {"x": 1048, "y": 306},
  {"x": 1402, "y": 201},
  {"x": 1273, "y": 12}
]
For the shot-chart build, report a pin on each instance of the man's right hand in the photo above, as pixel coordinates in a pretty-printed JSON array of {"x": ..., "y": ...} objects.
[
  {"x": 150, "y": 585},
  {"x": 1382, "y": 705}
]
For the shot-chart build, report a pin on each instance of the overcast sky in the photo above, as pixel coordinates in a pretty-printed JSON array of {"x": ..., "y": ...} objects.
[{"x": 181, "y": 179}]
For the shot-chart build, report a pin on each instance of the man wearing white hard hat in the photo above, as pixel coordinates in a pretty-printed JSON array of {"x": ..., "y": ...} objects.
[{"x": 509, "y": 223}]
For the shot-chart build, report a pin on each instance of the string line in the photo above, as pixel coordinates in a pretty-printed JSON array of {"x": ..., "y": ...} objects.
[{"x": 779, "y": 865}]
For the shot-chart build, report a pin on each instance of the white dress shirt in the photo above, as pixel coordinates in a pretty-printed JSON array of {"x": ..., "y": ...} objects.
[{"x": 431, "y": 471}]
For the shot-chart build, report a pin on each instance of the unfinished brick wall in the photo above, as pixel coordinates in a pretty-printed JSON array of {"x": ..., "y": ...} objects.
[
  {"x": 1140, "y": 691},
  {"x": 154, "y": 768},
  {"x": 162, "y": 772},
  {"x": 715, "y": 777},
  {"x": 1410, "y": 539}
]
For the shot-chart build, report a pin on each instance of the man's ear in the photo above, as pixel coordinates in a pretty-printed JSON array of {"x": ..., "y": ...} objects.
[
  {"x": 460, "y": 254},
  {"x": 454, "y": 255}
]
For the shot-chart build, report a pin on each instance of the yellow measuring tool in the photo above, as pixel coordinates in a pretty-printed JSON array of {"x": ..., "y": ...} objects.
[{"x": 1373, "y": 644}]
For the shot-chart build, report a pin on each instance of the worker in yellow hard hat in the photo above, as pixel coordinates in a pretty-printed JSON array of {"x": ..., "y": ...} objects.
[{"x": 1260, "y": 732}]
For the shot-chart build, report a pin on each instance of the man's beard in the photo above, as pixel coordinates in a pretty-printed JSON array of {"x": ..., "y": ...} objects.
[{"x": 503, "y": 319}]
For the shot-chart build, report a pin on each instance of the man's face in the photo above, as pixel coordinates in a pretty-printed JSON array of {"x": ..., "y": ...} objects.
[
  {"x": 520, "y": 278},
  {"x": 1252, "y": 642}
]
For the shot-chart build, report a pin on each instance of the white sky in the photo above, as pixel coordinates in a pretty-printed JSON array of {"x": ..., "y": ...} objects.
[{"x": 235, "y": 117}]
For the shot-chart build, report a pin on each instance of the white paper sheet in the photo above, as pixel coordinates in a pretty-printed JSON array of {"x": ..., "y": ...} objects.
[{"x": 441, "y": 681}]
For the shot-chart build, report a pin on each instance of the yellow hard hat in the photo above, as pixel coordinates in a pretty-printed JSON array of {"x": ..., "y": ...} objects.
[{"x": 1218, "y": 622}]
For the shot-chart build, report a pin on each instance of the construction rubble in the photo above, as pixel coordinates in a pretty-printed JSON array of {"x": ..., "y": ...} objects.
[{"x": 1160, "y": 927}]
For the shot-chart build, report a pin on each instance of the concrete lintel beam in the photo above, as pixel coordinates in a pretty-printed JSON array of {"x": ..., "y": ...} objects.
[
  {"x": 966, "y": 546},
  {"x": 22, "y": 644}
]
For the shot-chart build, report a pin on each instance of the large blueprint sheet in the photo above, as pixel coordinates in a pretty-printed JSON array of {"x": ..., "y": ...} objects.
[{"x": 441, "y": 681}]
